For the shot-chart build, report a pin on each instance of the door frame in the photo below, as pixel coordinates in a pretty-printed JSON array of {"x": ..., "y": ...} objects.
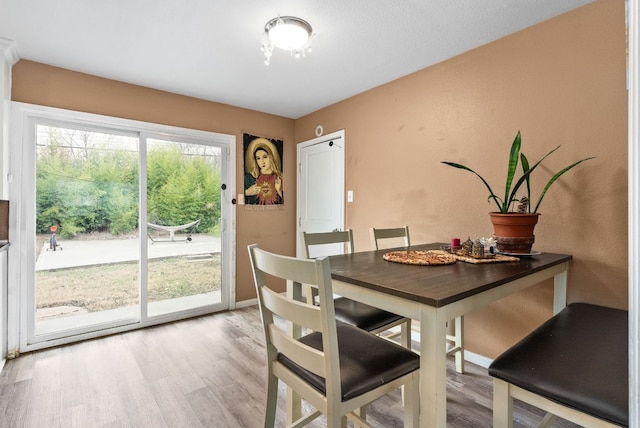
[
  {"x": 339, "y": 136},
  {"x": 22, "y": 247}
]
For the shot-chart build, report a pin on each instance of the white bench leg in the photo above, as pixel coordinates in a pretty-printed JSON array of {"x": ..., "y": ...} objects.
[
  {"x": 547, "y": 421},
  {"x": 502, "y": 404}
]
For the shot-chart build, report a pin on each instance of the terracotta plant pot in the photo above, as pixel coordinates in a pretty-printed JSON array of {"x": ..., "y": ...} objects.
[{"x": 514, "y": 232}]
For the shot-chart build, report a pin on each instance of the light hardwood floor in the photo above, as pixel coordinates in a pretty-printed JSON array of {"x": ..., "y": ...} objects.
[{"x": 202, "y": 372}]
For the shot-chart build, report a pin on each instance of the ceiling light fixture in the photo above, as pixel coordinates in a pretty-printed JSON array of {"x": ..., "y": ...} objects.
[{"x": 288, "y": 33}]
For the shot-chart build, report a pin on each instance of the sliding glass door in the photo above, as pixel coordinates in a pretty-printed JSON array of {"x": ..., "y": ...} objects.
[
  {"x": 128, "y": 225},
  {"x": 183, "y": 212},
  {"x": 86, "y": 224}
]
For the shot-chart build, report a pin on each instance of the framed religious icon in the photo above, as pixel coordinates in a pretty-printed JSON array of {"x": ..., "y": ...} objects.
[{"x": 263, "y": 175}]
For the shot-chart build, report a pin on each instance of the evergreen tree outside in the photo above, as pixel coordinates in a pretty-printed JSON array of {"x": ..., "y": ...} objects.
[{"x": 88, "y": 182}]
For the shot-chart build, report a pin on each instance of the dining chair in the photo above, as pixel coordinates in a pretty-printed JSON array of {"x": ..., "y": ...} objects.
[
  {"x": 338, "y": 368},
  {"x": 366, "y": 317},
  {"x": 400, "y": 236}
]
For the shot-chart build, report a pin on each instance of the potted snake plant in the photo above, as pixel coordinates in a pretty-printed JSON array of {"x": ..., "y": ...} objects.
[{"x": 513, "y": 230}]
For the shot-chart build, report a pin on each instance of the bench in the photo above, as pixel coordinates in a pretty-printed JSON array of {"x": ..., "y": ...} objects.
[{"x": 574, "y": 366}]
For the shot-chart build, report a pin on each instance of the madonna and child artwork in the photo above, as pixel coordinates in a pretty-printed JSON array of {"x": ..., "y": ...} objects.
[{"x": 263, "y": 180}]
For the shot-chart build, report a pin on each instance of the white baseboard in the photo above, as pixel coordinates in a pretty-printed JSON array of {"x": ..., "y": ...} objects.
[
  {"x": 477, "y": 359},
  {"x": 473, "y": 358},
  {"x": 246, "y": 303}
]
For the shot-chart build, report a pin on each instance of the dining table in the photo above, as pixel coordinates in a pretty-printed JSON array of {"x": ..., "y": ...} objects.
[{"x": 434, "y": 295}]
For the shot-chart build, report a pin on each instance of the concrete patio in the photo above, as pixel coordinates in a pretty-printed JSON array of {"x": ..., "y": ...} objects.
[{"x": 97, "y": 252}]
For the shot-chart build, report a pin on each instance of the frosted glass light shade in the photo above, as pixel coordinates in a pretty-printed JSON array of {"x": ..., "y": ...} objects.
[
  {"x": 287, "y": 33},
  {"x": 289, "y": 36}
]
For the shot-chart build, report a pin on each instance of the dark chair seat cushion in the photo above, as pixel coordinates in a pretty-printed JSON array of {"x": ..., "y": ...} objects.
[
  {"x": 363, "y": 316},
  {"x": 578, "y": 358},
  {"x": 366, "y": 361}
]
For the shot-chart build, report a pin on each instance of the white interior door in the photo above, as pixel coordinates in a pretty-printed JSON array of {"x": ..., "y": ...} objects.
[{"x": 320, "y": 185}]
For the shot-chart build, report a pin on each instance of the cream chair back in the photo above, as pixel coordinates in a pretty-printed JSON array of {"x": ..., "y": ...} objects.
[
  {"x": 393, "y": 237},
  {"x": 324, "y": 243}
]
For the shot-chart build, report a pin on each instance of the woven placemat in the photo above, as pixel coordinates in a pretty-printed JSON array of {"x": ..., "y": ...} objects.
[{"x": 495, "y": 259}]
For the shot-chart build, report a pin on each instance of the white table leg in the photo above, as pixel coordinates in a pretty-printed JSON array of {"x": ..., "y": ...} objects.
[
  {"x": 433, "y": 368},
  {"x": 459, "y": 343},
  {"x": 559, "y": 292}
]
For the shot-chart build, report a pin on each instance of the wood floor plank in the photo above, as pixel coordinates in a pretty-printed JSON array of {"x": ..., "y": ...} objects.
[
  {"x": 209, "y": 411},
  {"x": 207, "y": 371},
  {"x": 14, "y": 402}
]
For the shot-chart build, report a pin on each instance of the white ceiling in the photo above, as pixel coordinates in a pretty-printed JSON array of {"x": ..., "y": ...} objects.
[{"x": 210, "y": 49}]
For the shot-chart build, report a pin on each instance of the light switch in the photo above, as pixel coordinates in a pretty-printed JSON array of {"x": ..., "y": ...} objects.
[{"x": 349, "y": 195}]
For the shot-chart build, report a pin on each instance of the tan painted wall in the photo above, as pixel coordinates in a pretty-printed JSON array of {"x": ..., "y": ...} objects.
[
  {"x": 274, "y": 230},
  {"x": 560, "y": 82}
]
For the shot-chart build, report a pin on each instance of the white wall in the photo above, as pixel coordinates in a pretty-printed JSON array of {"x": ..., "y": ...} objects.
[{"x": 8, "y": 57}]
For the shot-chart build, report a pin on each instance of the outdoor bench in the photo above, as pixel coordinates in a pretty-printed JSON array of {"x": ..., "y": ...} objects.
[{"x": 574, "y": 366}]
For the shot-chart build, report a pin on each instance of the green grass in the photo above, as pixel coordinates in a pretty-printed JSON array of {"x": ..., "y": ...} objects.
[{"x": 98, "y": 288}]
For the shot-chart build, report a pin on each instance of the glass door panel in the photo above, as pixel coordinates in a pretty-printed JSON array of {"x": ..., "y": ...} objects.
[
  {"x": 184, "y": 257},
  {"x": 87, "y": 246},
  {"x": 118, "y": 230}
]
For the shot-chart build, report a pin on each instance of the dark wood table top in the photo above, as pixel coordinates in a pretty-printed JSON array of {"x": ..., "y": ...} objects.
[{"x": 433, "y": 285}]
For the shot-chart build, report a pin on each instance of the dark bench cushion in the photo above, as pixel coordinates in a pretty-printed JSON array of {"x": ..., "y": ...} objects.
[
  {"x": 366, "y": 361},
  {"x": 578, "y": 358}
]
